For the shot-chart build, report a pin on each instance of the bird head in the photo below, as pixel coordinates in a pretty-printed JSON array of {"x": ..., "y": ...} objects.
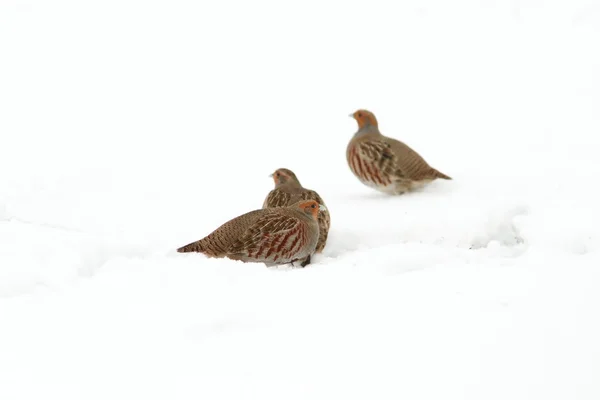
[
  {"x": 283, "y": 175},
  {"x": 311, "y": 207},
  {"x": 364, "y": 118}
]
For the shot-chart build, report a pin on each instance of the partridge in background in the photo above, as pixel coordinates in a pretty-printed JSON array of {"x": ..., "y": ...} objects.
[
  {"x": 288, "y": 190},
  {"x": 272, "y": 236},
  {"x": 383, "y": 163}
]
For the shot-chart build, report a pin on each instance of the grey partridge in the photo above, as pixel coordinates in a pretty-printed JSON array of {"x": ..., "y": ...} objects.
[
  {"x": 273, "y": 236},
  {"x": 288, "y": 190},
  {"x": 384, "y": 163}
]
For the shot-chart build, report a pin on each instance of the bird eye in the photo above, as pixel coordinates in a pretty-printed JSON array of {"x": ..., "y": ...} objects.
[
  {"x": 359, "y": 115},
  {"x": 313, "y": 206},
  {"x": 278, "y": 174}
]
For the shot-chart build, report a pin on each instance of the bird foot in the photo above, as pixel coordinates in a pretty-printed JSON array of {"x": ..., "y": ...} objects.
[{"x": 305, "y": 262}]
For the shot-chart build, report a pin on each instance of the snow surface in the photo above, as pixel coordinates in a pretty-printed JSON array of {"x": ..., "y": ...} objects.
[{"x": 130, "y": 128}]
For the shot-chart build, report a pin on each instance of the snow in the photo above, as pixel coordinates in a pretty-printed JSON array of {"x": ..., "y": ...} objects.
[{"x": 130, "y": 128}]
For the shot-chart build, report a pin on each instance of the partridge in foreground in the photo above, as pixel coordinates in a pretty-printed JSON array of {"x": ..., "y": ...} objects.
[
  {"x": 383, "y": 163},
  {"x": 272, "y": 236},
  {"x": 288, "y": 190}
]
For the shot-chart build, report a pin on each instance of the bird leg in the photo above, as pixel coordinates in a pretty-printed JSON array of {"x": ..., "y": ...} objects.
[{"x": 305, "y": 262}]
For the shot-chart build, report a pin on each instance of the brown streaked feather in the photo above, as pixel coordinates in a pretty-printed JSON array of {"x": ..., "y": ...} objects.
[
  {"x": 287, "y": 195},
  {"x": 384, "y": 163},
  {"x": 373, "y": 162},
  {"x": 197, "y": 247},
  {"x": 410, "y": 163},
  {"x": 380, "y": 162},
  {"x": 218, "y": 242},
  {"x": 324, "y": 218},
  {"x": 441, "y": 175},
  {"x": 278, "y": 198},
  {"x": 272, "y": 238}
]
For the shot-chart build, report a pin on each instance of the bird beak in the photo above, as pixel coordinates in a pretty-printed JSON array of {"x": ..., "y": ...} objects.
[
  {"x": 322, "y": 208},
  {"x": 351, "y": 115},
  {"x": 270, "y": 176}
]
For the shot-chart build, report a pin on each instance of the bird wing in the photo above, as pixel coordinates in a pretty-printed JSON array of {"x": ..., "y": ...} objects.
[
  {"x": 396, "y": 159},
  {"x": 277, "y": 198},
  {"x": 270, "y": 238},
  {"x": 378, "y": 153},
  {"x": 410, "y": 162},
  {"x": 310, "y": 195},
  {"x": 217, "y": 242}
]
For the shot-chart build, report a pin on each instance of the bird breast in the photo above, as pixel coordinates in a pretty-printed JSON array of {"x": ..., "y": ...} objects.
[
  {"x": 368, "y": 168},
  {"x": 282, "y": 236}
]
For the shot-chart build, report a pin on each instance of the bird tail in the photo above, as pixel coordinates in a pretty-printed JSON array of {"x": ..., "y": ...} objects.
[
  {"x": 438, "y": 174},
  {"x": 196, "y": 246}
]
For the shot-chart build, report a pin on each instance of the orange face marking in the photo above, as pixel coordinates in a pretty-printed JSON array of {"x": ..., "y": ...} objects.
[
  {"x": 364, "y": 118},
  {"x": 311, "y": 206}
]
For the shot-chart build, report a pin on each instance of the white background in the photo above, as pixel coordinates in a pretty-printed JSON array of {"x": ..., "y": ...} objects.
[{"x": 129, "y": 128}]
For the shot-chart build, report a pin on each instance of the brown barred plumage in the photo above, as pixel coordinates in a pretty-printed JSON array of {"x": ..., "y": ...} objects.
[
  {"x": 288, "y": 190},
  {"x": 272, "y": 236},
  {"x": 384, "y": 163}
]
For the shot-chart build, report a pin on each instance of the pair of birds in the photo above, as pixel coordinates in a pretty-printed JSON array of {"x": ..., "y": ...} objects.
[{"x": 294, "y": 221}]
